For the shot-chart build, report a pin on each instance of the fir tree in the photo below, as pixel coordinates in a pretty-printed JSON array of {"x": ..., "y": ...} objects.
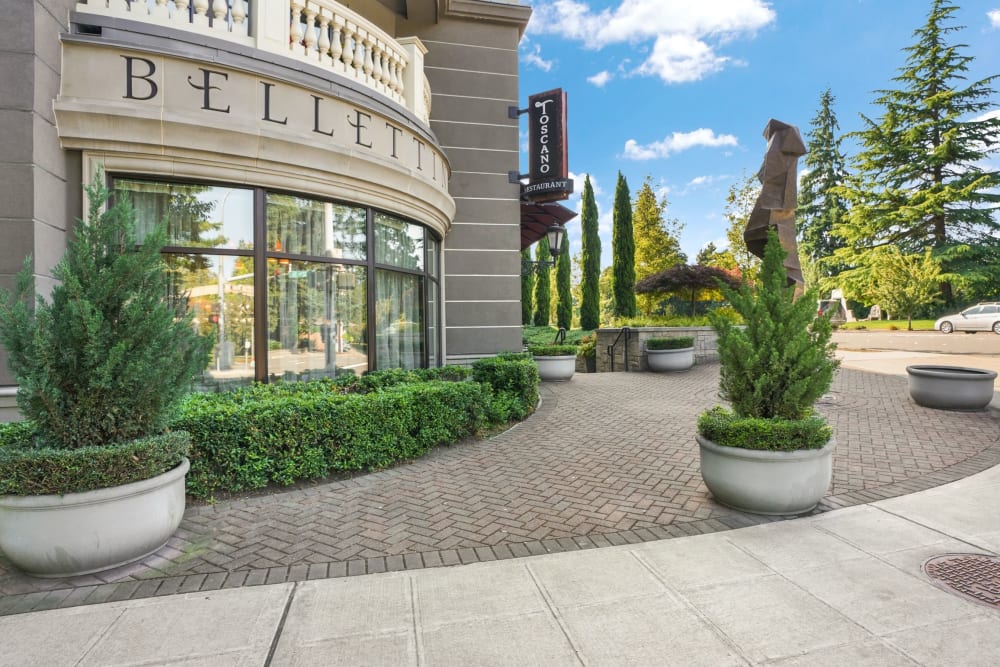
[
  {"x": 527, "y": 289},
  {"x": 109, "y": 357},
  {"x": 920, "y": 181},
  {"x": 657, "y": 244},
  {"x": 623, "y": 252},
  {"x": 543, "y": 287},
  {"x": 564, "y": 307},
  {"x": 821, "y": 208},
  {"x": 590, "y": 291}
]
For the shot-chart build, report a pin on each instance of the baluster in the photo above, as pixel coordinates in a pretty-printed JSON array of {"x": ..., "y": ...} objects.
[
  {"x": 397, "y": 73},
  {"x": 181, "y": 14},
  {"x": 336, "y": 45},
  {"x": 310, "y": 35},
  {"x": 219, "y": 10},
  {"x": 350, "y": 37},
  {"x": 295, "y": 29},
  {"x": 324, "y": 36},
  {"x": 200, "y": 12},
  {"x": 378, "y": 63},
  {"x": 369, "y": 65},
  {"x": 359, "y": 53},
  {"x": 239, "y": 14}
]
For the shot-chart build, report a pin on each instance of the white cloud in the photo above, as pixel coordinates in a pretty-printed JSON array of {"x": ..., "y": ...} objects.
[
  {"x": 677, "y": 142},
  {"x": 685, "y": 35},
  {"x": 994, "y": 16},
  {"x": 534, "y": 57},
  {"x": 600, "y": 79}
]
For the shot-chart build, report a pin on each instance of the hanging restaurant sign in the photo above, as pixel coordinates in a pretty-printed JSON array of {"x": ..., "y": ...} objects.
[{"x": 548, "y": 178}]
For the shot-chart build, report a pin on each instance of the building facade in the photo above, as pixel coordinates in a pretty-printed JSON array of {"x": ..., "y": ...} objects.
[{"x": 333, "y": 176}]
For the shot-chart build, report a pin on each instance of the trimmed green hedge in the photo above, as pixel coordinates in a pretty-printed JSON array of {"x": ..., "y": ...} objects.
[
  {"x": 26, "y": 470},
  {"x": 675, "y": 343},
  {"x": 552, "y": 350},
  {"x": 283, "y": 433},
  {"x": 723, "y": 427}
]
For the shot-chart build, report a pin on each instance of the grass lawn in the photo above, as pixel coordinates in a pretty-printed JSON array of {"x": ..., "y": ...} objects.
[{"x": 888, "y": 325}]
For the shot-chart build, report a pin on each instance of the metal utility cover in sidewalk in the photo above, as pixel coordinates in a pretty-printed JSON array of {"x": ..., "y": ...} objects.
[{"x": 975, "y": 576}]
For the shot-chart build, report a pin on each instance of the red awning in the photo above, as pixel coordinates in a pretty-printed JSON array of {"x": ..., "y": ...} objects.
[{"x": 537, "y": 218}]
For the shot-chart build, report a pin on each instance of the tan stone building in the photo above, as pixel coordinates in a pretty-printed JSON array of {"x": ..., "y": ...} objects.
[{"x": 333, "y": 175}]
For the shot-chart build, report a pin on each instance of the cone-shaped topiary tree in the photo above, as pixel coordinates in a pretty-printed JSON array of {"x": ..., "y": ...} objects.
[
  {"x": 106, "y": 360},
  {"x": 781, "y": 362},
  {"x": 543, "y": 286},
  {"x": 564, "y": 307}
]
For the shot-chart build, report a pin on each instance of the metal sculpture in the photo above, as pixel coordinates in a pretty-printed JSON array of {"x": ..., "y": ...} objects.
[{"x": 775, "y": 206}]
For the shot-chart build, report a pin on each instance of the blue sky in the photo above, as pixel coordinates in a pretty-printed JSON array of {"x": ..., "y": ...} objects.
[{"x": 680, "y": 90}]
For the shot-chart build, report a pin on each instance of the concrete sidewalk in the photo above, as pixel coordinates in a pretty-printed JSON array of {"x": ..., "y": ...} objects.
[{"x": 845, "y": 587}]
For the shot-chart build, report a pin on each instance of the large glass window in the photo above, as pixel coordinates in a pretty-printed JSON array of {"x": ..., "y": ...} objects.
[
  {"x": 296, "y": 304},
  {"x": 399, "y": 320},
  {"x": 308, "y": 227},
  {"x": 398, "y": 242},
  {"x": 197, "y": 216}
]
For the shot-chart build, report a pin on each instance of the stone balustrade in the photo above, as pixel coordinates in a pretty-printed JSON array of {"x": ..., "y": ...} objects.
[{"x": 322, "y": 33}]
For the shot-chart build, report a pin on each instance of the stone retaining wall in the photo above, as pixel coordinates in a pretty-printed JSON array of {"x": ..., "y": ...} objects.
[{"x": 704, "y": 346}]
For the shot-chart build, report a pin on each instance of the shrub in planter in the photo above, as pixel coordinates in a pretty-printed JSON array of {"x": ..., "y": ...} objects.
[
  {"x": 556, "y": 363},
  {"x": 99, "y": 369},
  {"x": 772, "y": 372},
  {"x": 552, "y": 350},
  {"x": 675, "y": 343}
]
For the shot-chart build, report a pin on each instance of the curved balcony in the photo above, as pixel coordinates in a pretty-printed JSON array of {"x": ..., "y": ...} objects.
[{"x": 321, "y": 33}]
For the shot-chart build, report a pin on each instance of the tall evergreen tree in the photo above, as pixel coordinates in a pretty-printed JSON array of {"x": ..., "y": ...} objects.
[
  {"x": 590, "y": 291},
  {"x": 543, "y": 286},
  {"x": 623, "y": 252},
  {"x": 821, "y": 206},
  {"x": 657, "y": 240},
  {"x": 920, "y": 180},
  {"x": 564, "y": 307},
  {"x": 527, "y": 289}
]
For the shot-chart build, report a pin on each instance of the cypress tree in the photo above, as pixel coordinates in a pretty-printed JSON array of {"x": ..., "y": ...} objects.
[
  {"x": 527, "y": 289},
  {"x": 623, "y": 249},
  {"x": 590, "y": 291},
  {"x": 657, "y": 243},
  {"x": 543, "y": 288},
  {"x": 920, "y": 179},
  {"x": 821, "y": 207},
  {"x": 564, "y": 308}
]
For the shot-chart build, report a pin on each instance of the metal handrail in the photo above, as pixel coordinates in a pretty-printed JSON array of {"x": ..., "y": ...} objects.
[
  {"x": 560, "y": 338},
  {"x": 611, "y": 348}
]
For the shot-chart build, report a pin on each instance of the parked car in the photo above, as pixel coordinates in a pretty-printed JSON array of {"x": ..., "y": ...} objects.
[
  {"x": 834, "y": 309},
  {"x": 980, "y": 317}
]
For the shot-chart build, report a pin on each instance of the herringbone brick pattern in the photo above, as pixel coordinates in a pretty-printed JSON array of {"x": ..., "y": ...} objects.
[{"x": 607, "y": 459}]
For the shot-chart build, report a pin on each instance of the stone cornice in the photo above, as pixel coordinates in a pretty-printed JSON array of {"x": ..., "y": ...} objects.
[{"x": 485, "y": 10}]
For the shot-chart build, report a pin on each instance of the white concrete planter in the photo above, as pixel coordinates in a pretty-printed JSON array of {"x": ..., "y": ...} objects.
[
  {"x": 670, "y": 360},
  {"x": 951, "y": 387},
  {"x": 80, "y": 533},
  {"x": 556, "y": 369},
  {"x": 766, "y": 482}
]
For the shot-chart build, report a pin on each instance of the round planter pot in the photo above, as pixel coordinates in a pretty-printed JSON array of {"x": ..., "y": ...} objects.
[
  {"x": 556, "y": 369},
  {"x": 765, "y": 482},
  {"x": 951, "y": 387},
  {"x": 79, "y": 533},
  {"x": 670, "y": 360}
]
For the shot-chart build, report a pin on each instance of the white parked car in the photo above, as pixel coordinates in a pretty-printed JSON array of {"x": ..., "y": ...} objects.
[{"x": 980, "y": 317}]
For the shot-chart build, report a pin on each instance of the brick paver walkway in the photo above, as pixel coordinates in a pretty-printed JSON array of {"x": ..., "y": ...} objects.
[{"x": 607, "y": 459}]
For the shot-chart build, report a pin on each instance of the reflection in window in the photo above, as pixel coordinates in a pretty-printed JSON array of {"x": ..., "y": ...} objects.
[
  {"x": 197, "y": 216},
  {"x": 309, "y": 227},
  {"x": 219, "y": 290},
  {"x": 398, "y": 243},
  {"x": 316, "y": 319},
  {"x": 399, "y": 325},
  {"x": 432, "y": 318}
]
